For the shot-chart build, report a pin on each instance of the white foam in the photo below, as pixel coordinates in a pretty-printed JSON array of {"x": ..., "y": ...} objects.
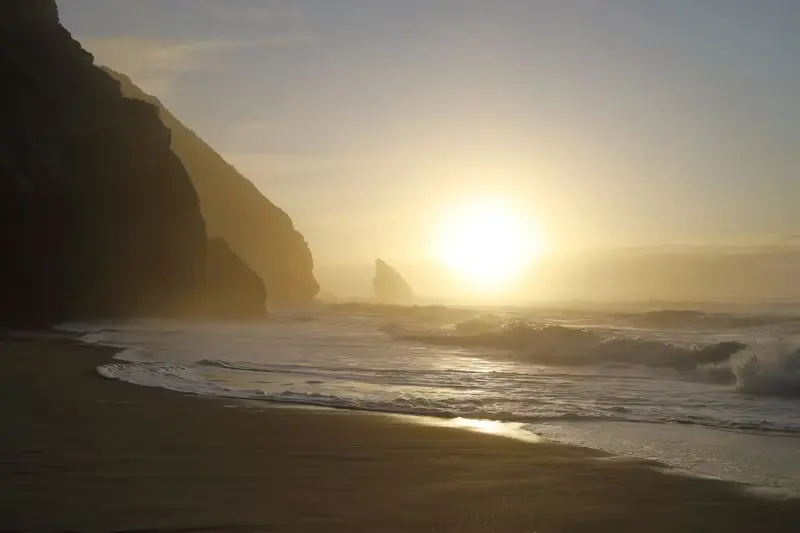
[
  {"x": 347, "y": 363},
  {"x": 769, "y": 463},
  {"x": 771, "y": 369}
]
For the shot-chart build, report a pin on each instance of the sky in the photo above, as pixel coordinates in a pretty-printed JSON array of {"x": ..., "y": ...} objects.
[{"x": 610, "y": 122}]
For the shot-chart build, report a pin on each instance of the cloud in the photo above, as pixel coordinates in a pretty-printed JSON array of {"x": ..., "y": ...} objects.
[{"x": 155, "y": 64}]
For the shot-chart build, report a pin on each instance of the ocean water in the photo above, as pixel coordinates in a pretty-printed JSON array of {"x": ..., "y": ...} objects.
[{"x": 710, "y": 394}]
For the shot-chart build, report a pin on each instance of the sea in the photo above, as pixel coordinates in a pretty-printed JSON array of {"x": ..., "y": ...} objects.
[{"x": 704, "y": 393}]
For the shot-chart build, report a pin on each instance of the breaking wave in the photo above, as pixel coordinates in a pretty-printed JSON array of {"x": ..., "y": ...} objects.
[
  {"x": 766, "y": 369},
  {"x": 774, "y": 371},
  {"x": 568, "y": 346}
]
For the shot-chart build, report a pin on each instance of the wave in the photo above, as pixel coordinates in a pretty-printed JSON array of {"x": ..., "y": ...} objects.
[
  {"x": 766, "y": 369},
  {"x": 180, "y": 378},
  {"x": 568, "y": 346},
  {"x": 774, "y": 371},
  {"x": 346, "y": 364},
  {"x": 690, "y": 319},
  {"x": 683, "y": 318}
]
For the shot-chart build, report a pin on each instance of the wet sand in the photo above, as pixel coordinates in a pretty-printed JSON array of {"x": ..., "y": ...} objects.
[{"x": 82, "y": 453}]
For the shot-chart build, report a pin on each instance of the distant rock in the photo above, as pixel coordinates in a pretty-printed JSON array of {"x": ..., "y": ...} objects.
[
  {"x": 234, "y": 290},
  {"x": 98, "y": 216},
  {"x": 235, "y": 210},
  {"x": 390, "y": 287}
]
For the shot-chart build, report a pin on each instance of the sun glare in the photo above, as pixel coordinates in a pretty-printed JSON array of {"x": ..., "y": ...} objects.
[{"x": 487, "y": 242}]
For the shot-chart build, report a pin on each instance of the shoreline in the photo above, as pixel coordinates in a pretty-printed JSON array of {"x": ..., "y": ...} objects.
[
  {"x": 760, "y": 485},
  {"x": 756, "y": 466},
  {"x": 83, "y": 452}
]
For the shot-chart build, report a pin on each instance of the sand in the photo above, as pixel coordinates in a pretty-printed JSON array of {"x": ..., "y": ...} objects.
[{"x": 82, "y": 453}]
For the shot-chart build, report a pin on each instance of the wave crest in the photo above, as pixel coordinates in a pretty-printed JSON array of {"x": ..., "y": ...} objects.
[
  {"x": 561, "y": 345},
  {"x": 774, "y": 371}
]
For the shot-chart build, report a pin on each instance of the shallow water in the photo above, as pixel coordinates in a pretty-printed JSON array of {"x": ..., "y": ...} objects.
[{"x": 349, "y": 361}]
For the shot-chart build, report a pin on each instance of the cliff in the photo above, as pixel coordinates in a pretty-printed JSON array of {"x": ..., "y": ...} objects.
[
  {"x": 258, "y": 231},
  {"x": 390, "y": 287},
  {"x": 98, "y": 216},
  {"x": 234, "y": 290}
]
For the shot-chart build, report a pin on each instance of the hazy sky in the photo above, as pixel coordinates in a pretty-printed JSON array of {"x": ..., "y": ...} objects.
[{"x": 613, "y": 122}]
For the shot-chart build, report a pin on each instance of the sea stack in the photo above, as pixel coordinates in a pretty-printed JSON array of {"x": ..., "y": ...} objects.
[{"x": 390, "y": 287}]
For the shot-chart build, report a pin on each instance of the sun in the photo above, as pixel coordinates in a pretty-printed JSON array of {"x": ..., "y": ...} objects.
[{"x": 487, "y": 242}]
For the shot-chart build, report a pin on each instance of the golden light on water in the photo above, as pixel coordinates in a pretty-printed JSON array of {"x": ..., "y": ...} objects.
[
  {"x": 484, "y": 426},
  {"x": 512, "y": 430},
  {"x": 488, "y": 242}
]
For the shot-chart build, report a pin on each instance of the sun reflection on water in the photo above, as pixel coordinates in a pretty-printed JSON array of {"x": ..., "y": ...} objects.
[{"x": 512, "y": 430}]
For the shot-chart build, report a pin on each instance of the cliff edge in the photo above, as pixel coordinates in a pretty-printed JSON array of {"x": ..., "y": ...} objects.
[
  {"x": 98, "y": 216},
  {"x": 257, "y": 230}
]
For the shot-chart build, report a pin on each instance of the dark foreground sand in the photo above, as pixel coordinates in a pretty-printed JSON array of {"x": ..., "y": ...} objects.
[{"x": 81, "y": 453}]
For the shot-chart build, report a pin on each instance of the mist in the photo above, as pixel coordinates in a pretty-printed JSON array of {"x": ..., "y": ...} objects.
[{"x": 724, "y": 274}]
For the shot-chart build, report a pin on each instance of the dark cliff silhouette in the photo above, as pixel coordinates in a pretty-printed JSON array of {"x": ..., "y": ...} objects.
[
  {"x": 390, "y": 287},
  {"x": 98, "y": 216},
  {"x": 234, "y": 209},
  {"x": 234, "y": 290}
]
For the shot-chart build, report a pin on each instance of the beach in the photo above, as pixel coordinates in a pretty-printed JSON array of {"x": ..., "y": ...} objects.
[{"x": 82, "y": 453}]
